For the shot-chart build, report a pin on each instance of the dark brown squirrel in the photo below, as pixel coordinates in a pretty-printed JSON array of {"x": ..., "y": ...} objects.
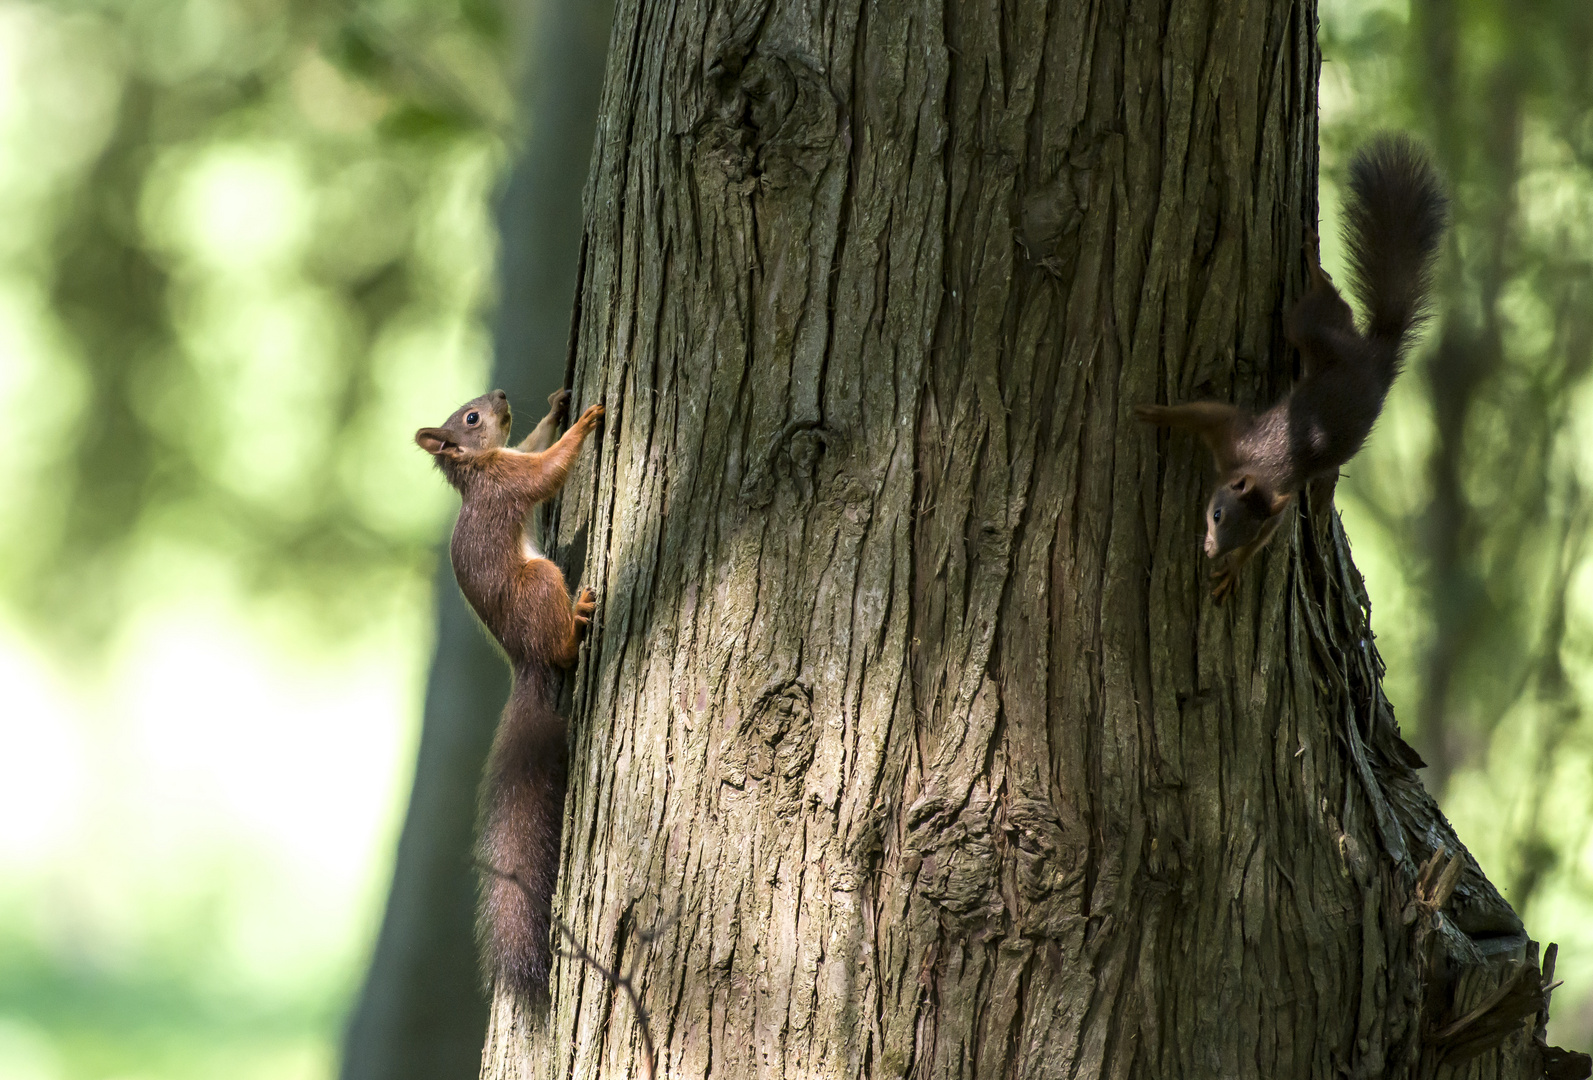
[
  {"x": 1394, "y": 219},
  {"x": 522, "y": 599}
]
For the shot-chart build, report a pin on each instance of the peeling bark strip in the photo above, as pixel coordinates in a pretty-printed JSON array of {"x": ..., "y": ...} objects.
[{"x": 904, "y": 691}]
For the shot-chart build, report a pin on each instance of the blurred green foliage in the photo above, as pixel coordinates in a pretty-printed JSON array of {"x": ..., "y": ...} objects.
[
  {"x": 1470, "y": 508},
  {"x": 247, "y": 246},
  {"x": 248, "y": 250}
]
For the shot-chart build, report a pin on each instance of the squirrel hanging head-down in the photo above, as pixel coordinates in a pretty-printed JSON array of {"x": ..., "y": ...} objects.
[
  {"x": 1394, "y": 218},
  {"x": 522, "y": 599}
]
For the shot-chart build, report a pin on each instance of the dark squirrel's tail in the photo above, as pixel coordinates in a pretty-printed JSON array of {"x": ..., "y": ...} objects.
[
  {"x": 1394, "y": 217},
  {"x": 522, "y": 813}
]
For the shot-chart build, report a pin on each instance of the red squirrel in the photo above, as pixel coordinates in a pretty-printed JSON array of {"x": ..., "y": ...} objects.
[
  {"x": 522, "y": 599},
  {"x": 1394, "y": 218}
]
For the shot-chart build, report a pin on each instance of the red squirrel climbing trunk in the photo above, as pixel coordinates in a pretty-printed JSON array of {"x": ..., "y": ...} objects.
[{"x": 522, "y": 599}]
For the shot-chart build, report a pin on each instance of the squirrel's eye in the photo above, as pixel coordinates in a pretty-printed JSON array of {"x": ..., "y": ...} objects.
[
  {"x": 1216, "y": 515},
  {"x": 473, "y": 419}
]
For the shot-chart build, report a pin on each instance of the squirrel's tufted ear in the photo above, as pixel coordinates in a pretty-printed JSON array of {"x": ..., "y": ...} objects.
[
  {"x": 1262, "y": 502},
  {"x": 435, "y": 442}
]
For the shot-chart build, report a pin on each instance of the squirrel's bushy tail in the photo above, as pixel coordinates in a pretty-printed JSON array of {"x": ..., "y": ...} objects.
[
  {"x": 522, "y": 815},
  {"x": 1394, "y": 217}
]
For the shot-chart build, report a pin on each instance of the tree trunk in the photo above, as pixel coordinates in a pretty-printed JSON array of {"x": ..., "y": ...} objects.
[
  {"x": 907, "y": 741},
  {"x": 421, "y": 1013}
]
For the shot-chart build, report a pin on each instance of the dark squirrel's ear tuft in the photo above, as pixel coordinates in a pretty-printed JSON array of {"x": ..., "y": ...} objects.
[
  {"x": 435, "y": 442},
  {"x": 1264, "y": 503},
  {"x": 1243, "y": 485}
]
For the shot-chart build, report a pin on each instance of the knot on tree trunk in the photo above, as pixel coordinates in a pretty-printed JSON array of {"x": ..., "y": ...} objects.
[
  {"x": 769, "y": 116},
  {"x": 773, "y": 743}
]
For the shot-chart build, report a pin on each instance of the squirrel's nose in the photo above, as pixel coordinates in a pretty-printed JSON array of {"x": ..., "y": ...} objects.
[{"x": 499, "y": 395}]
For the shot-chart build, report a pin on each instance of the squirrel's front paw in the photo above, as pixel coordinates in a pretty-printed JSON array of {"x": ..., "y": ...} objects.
[
  {"x": 1223, "y": 582},
  {"x": 591, "y": 416},
  {"x": 1151, "y": 414},
  {"x": 559, "y": 405}
]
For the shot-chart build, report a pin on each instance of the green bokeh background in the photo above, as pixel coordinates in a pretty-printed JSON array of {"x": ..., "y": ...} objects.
[{"x": 249, "y": 249}]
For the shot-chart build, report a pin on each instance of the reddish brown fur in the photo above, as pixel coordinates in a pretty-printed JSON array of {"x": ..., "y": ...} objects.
[
  {"x": 522, "y": 599},
  {"x": 1394, "y": 218}
]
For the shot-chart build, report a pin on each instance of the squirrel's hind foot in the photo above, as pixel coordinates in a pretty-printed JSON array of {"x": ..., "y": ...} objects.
[
  {"x": 585, "y": 604},
  {"x": 1313, "y": 258}
]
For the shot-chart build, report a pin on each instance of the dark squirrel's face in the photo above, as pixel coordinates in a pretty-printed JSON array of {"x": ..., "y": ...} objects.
[
  {"x": 477, "y": 425},
  {"x": 1236, "y": 513}
]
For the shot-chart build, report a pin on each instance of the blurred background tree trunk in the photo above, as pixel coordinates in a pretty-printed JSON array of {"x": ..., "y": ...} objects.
[
  {"x": 423, "y": 1011},
  {"x": 907, "y": 740},
  {"x": 1503, "y": 532}
]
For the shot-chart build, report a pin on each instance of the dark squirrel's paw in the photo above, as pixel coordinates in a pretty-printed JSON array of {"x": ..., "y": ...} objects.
[
  {"x": 559, "y": 405},
  {"x": 1313, "y": 258},
  {"x": 1223, "y": 581}
]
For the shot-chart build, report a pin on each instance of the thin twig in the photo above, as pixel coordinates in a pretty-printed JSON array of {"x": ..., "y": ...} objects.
[{"x": 624, "y": 982}]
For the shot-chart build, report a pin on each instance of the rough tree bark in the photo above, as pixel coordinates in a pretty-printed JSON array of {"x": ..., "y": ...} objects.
[{"x": 907, "y": 741}]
